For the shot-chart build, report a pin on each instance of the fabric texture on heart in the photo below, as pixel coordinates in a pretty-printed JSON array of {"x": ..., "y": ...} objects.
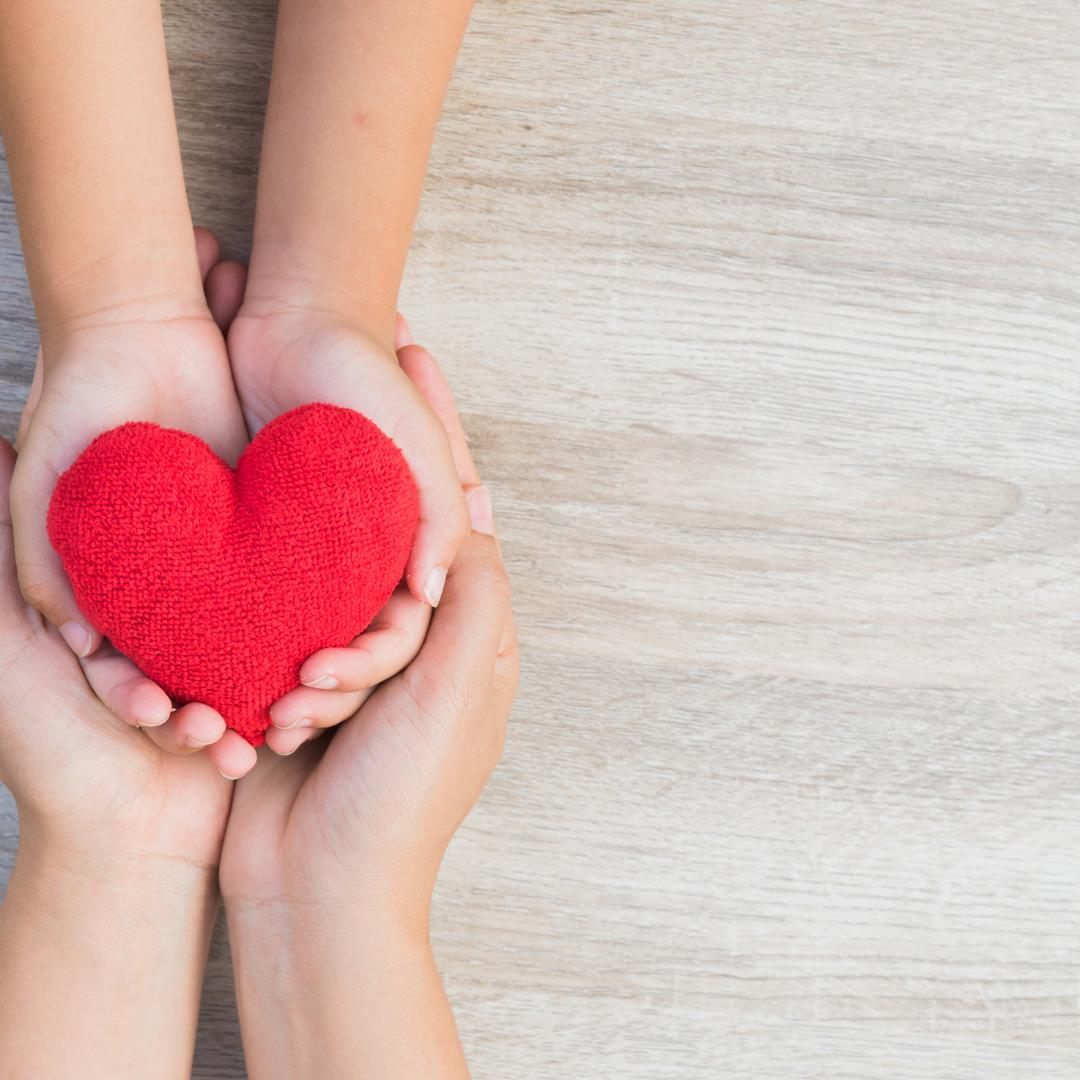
[{"x": 219, "y": 583}]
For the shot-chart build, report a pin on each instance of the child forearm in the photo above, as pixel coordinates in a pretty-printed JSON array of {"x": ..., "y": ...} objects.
[
  {"x": 354, "y": 100},
  {"x": 90, "y": 137}
]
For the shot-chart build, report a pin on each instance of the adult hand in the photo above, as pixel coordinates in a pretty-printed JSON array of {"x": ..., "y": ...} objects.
[
  {"x": 106, "y": 920},
  {"x": 331, "y": 853}
]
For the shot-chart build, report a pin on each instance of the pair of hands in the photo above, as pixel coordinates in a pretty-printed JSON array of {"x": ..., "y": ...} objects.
[
  {"x": 363, "y": 820},
  {"x": 167, "y": 361}
]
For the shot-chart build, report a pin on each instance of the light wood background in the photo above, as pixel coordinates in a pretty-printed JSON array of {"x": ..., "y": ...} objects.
[{"x": 764, "y": 320}]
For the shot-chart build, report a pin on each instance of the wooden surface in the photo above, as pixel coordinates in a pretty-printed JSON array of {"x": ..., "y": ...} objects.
[{"x": 764, "y": 320}]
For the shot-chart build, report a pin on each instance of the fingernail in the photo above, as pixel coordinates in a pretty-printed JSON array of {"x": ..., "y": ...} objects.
[
  {"x": 77, "y": 637},
  {"x": 152, "y": 714},
  {"x": 227, "y": 776},
  {"x": 433, "y": 587},
  {"x": 200, "y": 743},
  {"x": 323, "y": 682},
  {"x": 479, "y": 502}
]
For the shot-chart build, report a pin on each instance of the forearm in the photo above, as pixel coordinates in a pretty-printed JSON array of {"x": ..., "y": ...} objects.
[
  {"x": 90, "y": 137},
  {"x": 327, "y": 993},
  {"x": 354, "y": 99},
  {"x": 102, "y": 966}
]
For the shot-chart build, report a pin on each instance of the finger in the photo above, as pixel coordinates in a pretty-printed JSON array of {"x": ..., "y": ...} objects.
[
  {"x": 225, "y": 292},
  {"x": 137, "y": 700},
  {"x": 459, "y": 654},
  {"x": 381, "y": 651},
  {"x": 207, "y": 249},
  {"x": 232, "y": 755},
  {"x": 426, "y": 374},
  {"x": 288, "y": 742},
  {"x": 31, "y": 400},
  {"x": 42, "y": 580},
  {"x": 192, "y": 727},
  {"x": 402, "y": 333},
  {"x": 307, "y": 708},
  {"x": 444, "y": 519}
]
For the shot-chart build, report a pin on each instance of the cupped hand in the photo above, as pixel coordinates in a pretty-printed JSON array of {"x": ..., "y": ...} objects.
[
  {"x": 285, "y": 356},
  {"x": 163, "y": 362},
  {"x": 88, "y": 784},
  {"x": 336, "y": 681},
  {"x": 365, "y": 816}
]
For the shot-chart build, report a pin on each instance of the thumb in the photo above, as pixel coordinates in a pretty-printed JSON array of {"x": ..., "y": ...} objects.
[{"x": 41, "y": 576}]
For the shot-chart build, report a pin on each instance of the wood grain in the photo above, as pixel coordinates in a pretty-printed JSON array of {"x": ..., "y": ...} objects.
[{"x": 764, "y": 321}]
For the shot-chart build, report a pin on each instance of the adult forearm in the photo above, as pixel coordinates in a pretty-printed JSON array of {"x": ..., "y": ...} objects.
[
  {"x": 354, "y": 100},
  {"x": 101, "y": 965},
  {"x": 90, "y": 137},
  {"x": 327, "y": 992}
]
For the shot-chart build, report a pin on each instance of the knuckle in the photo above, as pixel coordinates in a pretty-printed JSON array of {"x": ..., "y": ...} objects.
[
  {"x": 508, "y": 647},
  {"x": 508, "y": 674}
]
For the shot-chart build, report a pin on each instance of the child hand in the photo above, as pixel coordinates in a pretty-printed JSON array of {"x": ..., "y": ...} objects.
[
  {"x": 169, "y": 367},
  {"x": 337, "y": 681},
  {"x": 366, "y": 821},
  {"x": 284, "y": 356}
]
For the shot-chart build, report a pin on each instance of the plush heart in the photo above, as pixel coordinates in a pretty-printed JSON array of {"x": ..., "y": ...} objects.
[{"x": 218, "y": 583}]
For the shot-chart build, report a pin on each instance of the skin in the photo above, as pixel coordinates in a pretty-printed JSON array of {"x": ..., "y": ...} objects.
[
  {"x": 331, "y": 854},
  {"x": 126, "y": 330},
  {"x": 331, "y": 851},
  {"x": 318, "y": 320},
  {"x": 112, "y": 896},
  {"x": 118, "y": 682},
  {"x": 114, "y": 269},
  {"x": 109, "y": 250},
  {"x": 111, "y": 899}
]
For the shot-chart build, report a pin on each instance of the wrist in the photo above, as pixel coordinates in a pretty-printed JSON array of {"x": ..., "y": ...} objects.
[
  {"x": 107, "y": 866},
  {"x": 129, "y": 285},
  {"x": 312, "y": 979},
  {"x": 307, "y": 933},
  {"x": 289, "y": 276}
]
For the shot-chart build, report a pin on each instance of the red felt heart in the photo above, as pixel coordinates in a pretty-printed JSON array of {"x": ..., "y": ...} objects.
[{"x": 220, "y": 583}]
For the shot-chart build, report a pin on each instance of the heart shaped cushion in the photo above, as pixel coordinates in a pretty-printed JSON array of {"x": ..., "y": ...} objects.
[{"x": 220, "y": 583}]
